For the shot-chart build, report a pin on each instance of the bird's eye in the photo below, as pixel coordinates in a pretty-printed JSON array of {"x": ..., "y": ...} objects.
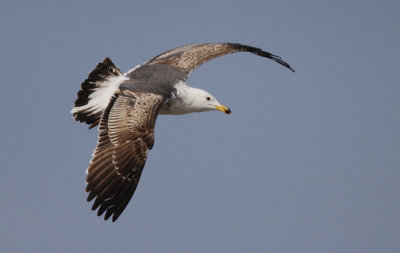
[{"x": 208, "y": 98}]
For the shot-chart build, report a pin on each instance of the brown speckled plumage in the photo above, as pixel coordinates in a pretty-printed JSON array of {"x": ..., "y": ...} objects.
[
  {"x": 189, "y": 57},
  {"x": 126, "y": 134}
]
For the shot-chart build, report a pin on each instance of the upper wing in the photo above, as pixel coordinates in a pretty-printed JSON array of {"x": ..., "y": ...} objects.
[
  {"x": 189, "y": 57},
  {"x": 126, "y": 134}
]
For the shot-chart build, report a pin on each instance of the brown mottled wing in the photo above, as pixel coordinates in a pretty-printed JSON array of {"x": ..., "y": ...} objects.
[
  {"x": 126, "y": 134},
  {"x": 189, "y": 57}
]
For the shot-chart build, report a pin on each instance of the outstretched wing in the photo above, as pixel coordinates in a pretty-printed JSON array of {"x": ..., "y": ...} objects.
[
  {"x": 189, "y": 57},
  {"x": 126, "y": 134}
]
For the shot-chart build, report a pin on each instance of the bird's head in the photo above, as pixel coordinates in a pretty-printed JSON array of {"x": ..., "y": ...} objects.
[{"x": 201, "y": 100}]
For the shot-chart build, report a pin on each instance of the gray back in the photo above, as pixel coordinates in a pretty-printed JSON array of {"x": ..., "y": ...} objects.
[{"x": 158, "y": 79}]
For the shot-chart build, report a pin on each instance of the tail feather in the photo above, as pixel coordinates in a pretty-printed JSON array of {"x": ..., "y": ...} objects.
[{"x": 96, "y": 91}]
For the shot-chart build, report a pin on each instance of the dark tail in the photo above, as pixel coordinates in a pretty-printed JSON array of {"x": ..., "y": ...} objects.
[{"x": 96, "y": 91}]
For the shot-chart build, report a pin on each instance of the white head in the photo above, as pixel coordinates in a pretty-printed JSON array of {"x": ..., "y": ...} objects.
[
  {"x": 200, "y": 101},
  {"x": 189, "y": 99}
]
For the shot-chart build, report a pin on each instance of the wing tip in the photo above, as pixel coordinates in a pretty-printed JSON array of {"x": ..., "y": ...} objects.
[{"x": 262, "y": 53}]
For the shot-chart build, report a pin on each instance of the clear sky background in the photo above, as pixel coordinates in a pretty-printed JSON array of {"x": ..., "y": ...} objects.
[{"x": 308, "y": 162}]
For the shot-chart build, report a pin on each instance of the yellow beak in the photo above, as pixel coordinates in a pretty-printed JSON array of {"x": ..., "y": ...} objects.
[{"x": 223, "y": 109}]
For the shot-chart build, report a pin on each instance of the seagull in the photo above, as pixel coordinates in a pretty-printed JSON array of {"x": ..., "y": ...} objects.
[{"x": 125, "y": 108}]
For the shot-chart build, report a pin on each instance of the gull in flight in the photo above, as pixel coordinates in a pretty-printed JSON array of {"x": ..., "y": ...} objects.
[{"x": 125, "y": 107}]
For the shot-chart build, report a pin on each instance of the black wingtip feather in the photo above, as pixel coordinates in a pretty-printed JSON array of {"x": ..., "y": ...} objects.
[
  {"x": 260, "y": 52},
  {"x": 279, "y": 60}
]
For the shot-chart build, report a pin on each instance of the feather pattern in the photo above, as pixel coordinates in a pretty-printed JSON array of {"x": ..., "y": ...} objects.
[
  {"x": 189, "y": 57},
  {"x": 126, "y": 134},
  {"x": 96, "y": 92}
]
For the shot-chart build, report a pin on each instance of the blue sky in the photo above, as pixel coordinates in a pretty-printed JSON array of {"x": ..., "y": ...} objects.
[{"x": 308, "y": 162}]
